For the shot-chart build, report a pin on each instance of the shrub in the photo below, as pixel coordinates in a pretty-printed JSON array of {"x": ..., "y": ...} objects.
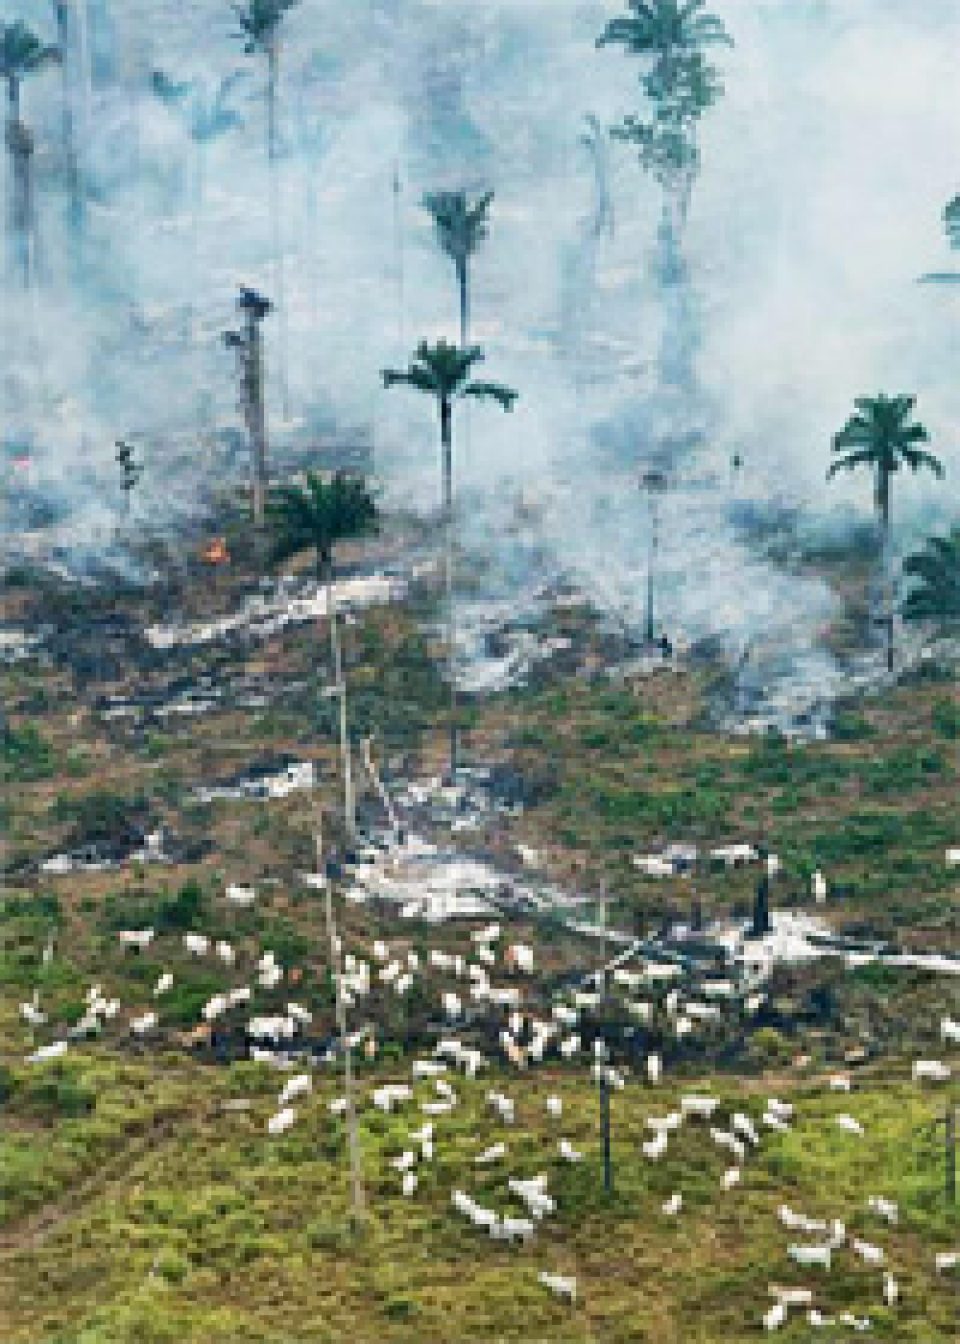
[
  {"x": 24, "y": 755},
  {"x": 946, "y": 719},
  {"x": 59, "y": 1093}
]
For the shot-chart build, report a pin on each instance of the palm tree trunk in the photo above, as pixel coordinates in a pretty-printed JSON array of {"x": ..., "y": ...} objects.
[
  {"x": 464, "y": 287},
  {"x": 398, "y": 240},
  {"x": 886, "y": 564},
  {"x": 257, "y": 419},
  {"x": 446, "y": 448},
  {"x": 340, "y": 682},
  {"x": 20, "y": 145},
  {"x": 273, "y": 76},
  {"x": 353, "y": 1137},
  {"x": 68, "y": 119}
]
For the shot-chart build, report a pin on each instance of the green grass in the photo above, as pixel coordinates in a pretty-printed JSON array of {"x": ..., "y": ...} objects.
[{"x": 216, "y": 1232}]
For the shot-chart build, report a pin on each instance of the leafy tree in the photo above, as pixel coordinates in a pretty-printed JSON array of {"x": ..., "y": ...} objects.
[
  {"x": 883, "y": 437},
  {"x": 442, "y": 371},
  {"x": 461, "y": 226},
  {"x": 316, "y": 517},
  {"x": 21, "y": 54},
  {"x": 951, "y": 222},
  {"x": 936, "y": 569},
  {"x": 670, "y": 36}
]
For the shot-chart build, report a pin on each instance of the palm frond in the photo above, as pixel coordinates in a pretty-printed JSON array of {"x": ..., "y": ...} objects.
[{"x": 504, "y": 396}]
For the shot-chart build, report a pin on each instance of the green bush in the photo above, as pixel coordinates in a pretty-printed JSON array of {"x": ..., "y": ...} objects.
[
  {"x": 8, "y": 1084},
  {"x": 946, "y": 719},
  {"x": 57, "y": 1093},
  {"x": 24, "y": 755}
]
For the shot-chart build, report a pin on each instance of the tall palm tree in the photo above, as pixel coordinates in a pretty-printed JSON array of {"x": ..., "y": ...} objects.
[
  {"x": 936, "y": 568},
  {"x": 442, "y": 371},
  {"x": 883, "y": 436},
  {"x": 316, "y": 517},
  {"x": 260, "y": 26},
  {"x": 21, "y": 54},
  {"x": 461, "y": 226}
]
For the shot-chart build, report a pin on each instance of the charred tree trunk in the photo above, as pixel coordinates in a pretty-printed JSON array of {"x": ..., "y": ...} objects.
[
  {"x": 22, "y": 241},
  {"x": 256, "y": 418},
  {"x": 71, "y": 163},
  {"x": 273, "y": 160}
]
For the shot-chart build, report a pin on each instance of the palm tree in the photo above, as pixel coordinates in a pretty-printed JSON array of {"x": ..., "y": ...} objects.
[
  {"x": 260, "y": 22},
  {"x": 316, "y": 517},
  {"x": 461, "y": 227},
  {"x": 937, "y": 571},
  {"x": 443, "y": 371},
  {"x": 883, "y": 436},
  {"x": 21, "y": 54}
]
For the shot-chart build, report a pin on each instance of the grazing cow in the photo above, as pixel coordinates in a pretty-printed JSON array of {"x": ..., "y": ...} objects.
[
  {"x": 884, "y": 1208},
  {"x": 698, "y": 1108},
  {"x": 560, "y": 1285},
  {"x": 298, "y": 1086},
  {"x": 868, "y": 1253},
  {"x": 282, "y": 1121},
  {"x": 46, "y": 1052},
  {"x": 673, "y": 1205},
  {"x": 775, "y": 1317},
  {"x": 811, "y": 1257},
  {"x": 799, "y": 1222},
  {"x": 492, "y": 1154},
  {"x": 138, "y": 939},
  {"x": 655, "y": 1148},
  {"x": 849, "y": 1125},
  {"x": 142, "y": 1026},
  {"x": 743, "y": 1125},
  {"x": 930, "y": 1071}
]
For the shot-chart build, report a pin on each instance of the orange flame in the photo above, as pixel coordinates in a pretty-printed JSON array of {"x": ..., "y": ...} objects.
[{"x": 215, "y": 552}]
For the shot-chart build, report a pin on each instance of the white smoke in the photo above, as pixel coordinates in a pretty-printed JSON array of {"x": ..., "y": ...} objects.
[{"x": 825, "y": 170}]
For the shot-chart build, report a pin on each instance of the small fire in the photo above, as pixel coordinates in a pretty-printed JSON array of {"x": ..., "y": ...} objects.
[{"x": 215, "y": 552}]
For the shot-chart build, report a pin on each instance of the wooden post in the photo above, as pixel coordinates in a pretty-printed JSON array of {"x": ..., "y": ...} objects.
[
  {"x": 353, "y": 1138},
  {"x": 605, "y": 1133}
]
